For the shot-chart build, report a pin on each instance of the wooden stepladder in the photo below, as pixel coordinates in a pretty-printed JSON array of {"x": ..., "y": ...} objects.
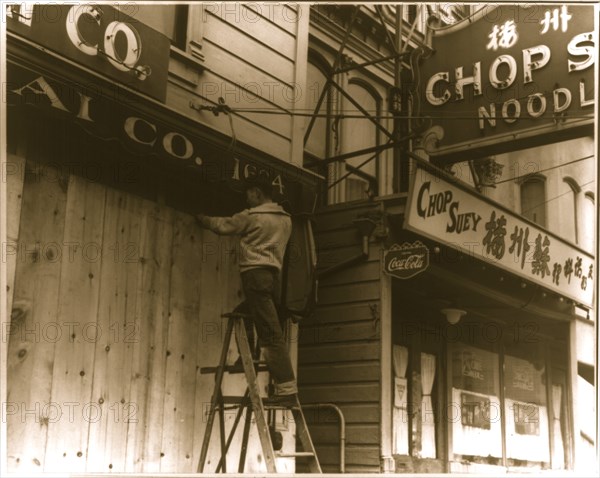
[{"x": 252, "y": 403}]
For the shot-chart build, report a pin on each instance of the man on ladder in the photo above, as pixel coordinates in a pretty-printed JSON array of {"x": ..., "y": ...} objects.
[{"x": 265, "y": 229}]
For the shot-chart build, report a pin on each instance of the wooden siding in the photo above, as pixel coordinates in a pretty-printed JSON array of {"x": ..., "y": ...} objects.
[
  {"x": 339, "y": 347},
  {"x": 254, "y": 57},
  {"x": 117, "y": 304}
]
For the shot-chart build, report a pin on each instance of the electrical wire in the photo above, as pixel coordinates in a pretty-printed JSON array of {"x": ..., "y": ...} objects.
[
  {"x": 555, "y": 197},
  {"x": 516, "y": 178},
  {"x": 390, "y": 117}
]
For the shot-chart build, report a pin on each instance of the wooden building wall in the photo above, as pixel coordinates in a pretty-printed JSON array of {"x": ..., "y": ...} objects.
[
  {"x": 339, "y": 348},
  {"x": 116, "y": 304},
  {"x": 255, "y": 58}
]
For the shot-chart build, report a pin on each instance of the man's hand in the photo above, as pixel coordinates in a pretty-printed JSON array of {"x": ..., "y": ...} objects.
[{"x": 202, "y": 219}]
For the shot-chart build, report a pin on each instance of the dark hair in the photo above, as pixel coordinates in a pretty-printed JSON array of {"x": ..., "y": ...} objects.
[{"x": 261, "y": 184}]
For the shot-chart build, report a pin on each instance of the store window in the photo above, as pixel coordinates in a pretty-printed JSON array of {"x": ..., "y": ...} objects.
[
  {"x": 525, "y": 406},
  {"x": 533, "y": 199},
  {"x": 508, "y": 405},
  {"x": 475, "y": 409}
]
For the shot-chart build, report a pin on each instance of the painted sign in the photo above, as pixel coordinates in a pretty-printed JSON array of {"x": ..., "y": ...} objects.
[
  {"x": 510, "y": 72},
  {"x": 172, "y": 149},
  {"x": 407, "y": 260},
  {"x": 100, "y": 37},
  {"x": 445, "y": 211}
]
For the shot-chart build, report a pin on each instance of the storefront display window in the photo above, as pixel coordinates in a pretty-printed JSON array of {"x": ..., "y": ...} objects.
[
  {"x": 527, "y": 435},
  {"x": 475, "y": 406}
]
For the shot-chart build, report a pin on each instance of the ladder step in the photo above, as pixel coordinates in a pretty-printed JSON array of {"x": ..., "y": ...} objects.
[
  {"x": 230, "y": 369},
  {"x": 297, "y": 454}
]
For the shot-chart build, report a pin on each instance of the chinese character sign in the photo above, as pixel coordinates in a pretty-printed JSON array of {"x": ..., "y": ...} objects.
[
  {"x": 457, "y": 217},
  {"x": 507, "y": 73}
]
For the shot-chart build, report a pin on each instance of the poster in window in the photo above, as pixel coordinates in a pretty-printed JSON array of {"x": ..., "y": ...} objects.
[
  {"x": 474, "y": 369},
  {"x": 527, "y": 418},
  {"x": 475, "y": 411},
  {"x": 524, "y": 381}
]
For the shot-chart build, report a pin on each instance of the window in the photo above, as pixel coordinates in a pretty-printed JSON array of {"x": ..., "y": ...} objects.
[
  {"x": 507, "y": 402},
  {"x": 170, "y": 20},
  {"x": 358, "y": 132},
  {"x": 588, "y": 222},
  {"x": 317, "y": 143},
  {"x": 533, "y": 200},
  {"x": 569, "y": 196}
]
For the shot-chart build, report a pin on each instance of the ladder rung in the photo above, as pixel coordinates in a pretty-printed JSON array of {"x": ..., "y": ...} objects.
[
  {"x": 294, "y": 454},
  {"x": 230, "y": 369}
]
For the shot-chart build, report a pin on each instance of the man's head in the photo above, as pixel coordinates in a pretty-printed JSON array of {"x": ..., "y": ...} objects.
[{"x": 258, "y": 192}]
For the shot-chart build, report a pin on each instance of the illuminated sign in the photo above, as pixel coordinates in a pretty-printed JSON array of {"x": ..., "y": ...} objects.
[
  {"x": 100, "y": 37},
  {"x": 510, "y": 72},
  {"x": 453, "y": 215}
]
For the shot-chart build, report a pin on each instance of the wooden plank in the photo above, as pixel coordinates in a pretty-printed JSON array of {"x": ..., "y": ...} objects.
[
  {"x": 116, "y": 319},
  {"x": 329, "y": 434},
  {"x": 340, "y": 313},
  {"x": 340, "y": 392},
  {"x": 260, "y": 28},
  {"x": 366, "y": 271},
  {"x": 34, "y": 319},
  {"x": 353, "y": 413},
  {"x": 342, "y": 217},
  {"x": 355, "y": 455},
  {"x": 344, "y": 372},
  {"x": 262, "y": 93},
  {"x": 185, "y": 296},
  {"x": 334, "y": 333},
  {"x": 259, "y": 41},
  {"x": 342, "y": 237},
  {"x": 72, "y": 374},
  {"x": 338, "y": 353},
  {"x": 214, "y": 274},
  {"x": 144, "y": 435},
  {"x": 15, "y": 173},
  {"x": 246, "y": 131},
  {"x": 158, "y": 254},
  {"x": 128, "y": 336},
  {"x": 332, "y": 256},
  {"x": 349, "y": 293}
]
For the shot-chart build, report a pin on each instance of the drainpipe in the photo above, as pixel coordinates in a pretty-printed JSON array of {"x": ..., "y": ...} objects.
[
  {"x": 366, "y": 227},
  {"x": 340, "y": 414}
]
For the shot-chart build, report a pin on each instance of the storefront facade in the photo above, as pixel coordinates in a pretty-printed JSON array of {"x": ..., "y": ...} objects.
[
  {"x": 116, "y": 138},
  {"x": 454, "y": 341}
]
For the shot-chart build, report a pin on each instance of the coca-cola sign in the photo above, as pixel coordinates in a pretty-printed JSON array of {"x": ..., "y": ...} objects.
[{"x": 407, "y": 260}]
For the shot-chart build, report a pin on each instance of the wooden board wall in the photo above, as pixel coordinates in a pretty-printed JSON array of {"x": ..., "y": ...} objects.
[
  {"x": 339, "y": 348},
  {"x": 117, "y": 304}
]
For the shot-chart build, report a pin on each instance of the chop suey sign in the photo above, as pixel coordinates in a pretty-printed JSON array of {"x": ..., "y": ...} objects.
[
  {"x": 512, "y": 71},
  {"x": 453, "y": 215}
]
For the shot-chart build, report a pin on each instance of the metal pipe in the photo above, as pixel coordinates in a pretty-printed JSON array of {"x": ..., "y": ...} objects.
[{"x": 342, "y": 429}]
